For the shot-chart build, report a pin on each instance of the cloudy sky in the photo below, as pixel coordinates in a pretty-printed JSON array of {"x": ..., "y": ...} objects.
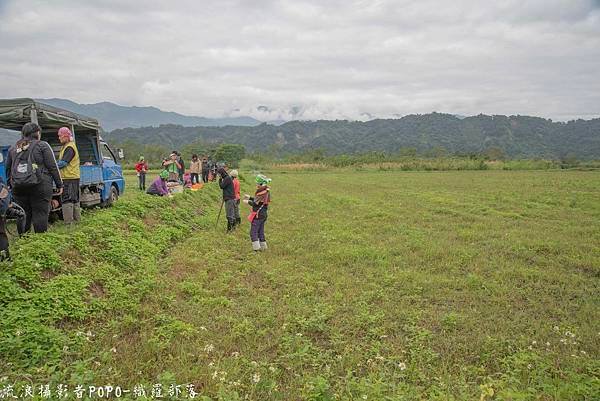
[{"x": 308, "y": 59}]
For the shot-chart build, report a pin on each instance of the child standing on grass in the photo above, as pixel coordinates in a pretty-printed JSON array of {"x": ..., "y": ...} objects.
[
  {"x": 259, "y": 203},
  {"x": 236, "y": 191}
]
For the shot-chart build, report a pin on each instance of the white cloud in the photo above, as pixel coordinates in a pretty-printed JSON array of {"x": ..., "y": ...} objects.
[{"x": 335, "y": 59}]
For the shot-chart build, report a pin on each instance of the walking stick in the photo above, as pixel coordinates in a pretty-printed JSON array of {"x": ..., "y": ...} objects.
[{"x": 219, "y": 215}]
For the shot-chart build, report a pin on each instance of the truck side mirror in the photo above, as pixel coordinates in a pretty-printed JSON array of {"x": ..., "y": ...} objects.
[{"x": 120, "y": 154}]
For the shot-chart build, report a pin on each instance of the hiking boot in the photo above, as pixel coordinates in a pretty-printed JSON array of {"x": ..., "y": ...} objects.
[
  {"x": 255, "y": 246},
  {"x": 76, "y": 212}
]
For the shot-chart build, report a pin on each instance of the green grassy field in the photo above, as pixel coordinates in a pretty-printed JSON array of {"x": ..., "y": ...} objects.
[{"x": 377, "y": 285}]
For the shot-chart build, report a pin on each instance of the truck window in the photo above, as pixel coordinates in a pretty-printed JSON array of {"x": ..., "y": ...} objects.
[{"x": 107, "y": 154}]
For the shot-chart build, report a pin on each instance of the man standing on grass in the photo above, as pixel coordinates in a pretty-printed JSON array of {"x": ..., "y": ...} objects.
[
  {"x": 68, "y": 164},
  {"x": 181, "y": 167},
  {"x": 205, "y": 169},
  {"x": 226, "y": 184}
]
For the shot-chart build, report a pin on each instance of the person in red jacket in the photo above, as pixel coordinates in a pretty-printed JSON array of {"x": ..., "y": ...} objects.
[
  {"x": 141, "y": 168},
  {"x": 236, "y": 192}
]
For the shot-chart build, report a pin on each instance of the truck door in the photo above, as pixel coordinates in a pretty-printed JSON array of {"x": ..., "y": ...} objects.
[
  {"x": 3, "y": 154},
  {"x": 111, "y": 170}
]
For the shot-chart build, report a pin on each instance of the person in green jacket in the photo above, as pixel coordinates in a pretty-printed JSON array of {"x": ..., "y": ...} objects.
[{"x": 173, "y": 167}]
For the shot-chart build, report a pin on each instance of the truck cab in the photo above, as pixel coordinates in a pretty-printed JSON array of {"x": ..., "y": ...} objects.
[{"x": 101, "y": 179}]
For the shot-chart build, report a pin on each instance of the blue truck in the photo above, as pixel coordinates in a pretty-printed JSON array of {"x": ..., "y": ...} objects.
[{"x": 102, "y": 179}]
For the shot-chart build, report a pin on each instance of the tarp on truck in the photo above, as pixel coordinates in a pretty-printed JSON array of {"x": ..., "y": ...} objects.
[{"x": 14, "y": 113}]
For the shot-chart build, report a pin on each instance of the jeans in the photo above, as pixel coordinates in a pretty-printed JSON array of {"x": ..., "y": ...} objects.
[
  {"x": 257, "y": 230},
  {"x": 205, "y": 176},
  {"x": 142, "y": 180}
]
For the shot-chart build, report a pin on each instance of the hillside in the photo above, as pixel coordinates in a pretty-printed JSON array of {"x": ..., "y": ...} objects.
[
  {"x": 517, "y": 136},
  {"x": 113, "y": 116}
]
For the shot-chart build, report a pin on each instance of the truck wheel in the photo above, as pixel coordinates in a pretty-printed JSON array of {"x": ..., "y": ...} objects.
[{"x": 112, "y": 197}]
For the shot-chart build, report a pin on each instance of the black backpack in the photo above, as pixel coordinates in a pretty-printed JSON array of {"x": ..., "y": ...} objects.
[{"x": 25, "y": 172}]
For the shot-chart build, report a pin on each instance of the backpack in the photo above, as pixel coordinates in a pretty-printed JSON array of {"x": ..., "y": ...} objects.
[{"x": 25, "y": 172}]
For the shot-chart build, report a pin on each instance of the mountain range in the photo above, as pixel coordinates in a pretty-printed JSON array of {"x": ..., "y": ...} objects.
[
  {"x": 113, "y": 116},
  {"x": 514, "y": 136}
]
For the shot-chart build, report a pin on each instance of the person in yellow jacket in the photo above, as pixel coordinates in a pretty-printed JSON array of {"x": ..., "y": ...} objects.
[{"x": 68, "y": 164}]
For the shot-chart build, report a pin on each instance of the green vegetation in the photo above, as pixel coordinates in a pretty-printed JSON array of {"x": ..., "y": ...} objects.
[
  {"x": 317, "y": 161},
  {"x": 377, "y": 285},
  {"x": 429, "y": 135},
  {"x": 154, "y": 154},
  {"x": 230, "y": 153}
]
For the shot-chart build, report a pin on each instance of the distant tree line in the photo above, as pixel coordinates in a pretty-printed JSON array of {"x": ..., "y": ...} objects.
[
  {"x": 154, "y": 153},
  {"x": 434, "y": 134}
]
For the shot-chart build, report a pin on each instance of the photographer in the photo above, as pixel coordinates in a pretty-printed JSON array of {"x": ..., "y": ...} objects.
[
  {"x": 172, "y": 166},
  {"x": 258, "y": 217},
  {"x": 226, "y": 184}
]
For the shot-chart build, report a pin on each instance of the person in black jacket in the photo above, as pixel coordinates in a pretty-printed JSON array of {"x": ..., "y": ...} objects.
[
  {"x": 205, "y": 169},
  {"x": 226, "y": 184},
  {"x": 35, "y": 200}
]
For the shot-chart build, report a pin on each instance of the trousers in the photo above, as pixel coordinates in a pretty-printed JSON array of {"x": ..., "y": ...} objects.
[
  {"x": 36, "y": 203},
  {"x": 142, "y": 180},
  {"x": 257, "y": 230},
  {"x": 230, "y": 205}
]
